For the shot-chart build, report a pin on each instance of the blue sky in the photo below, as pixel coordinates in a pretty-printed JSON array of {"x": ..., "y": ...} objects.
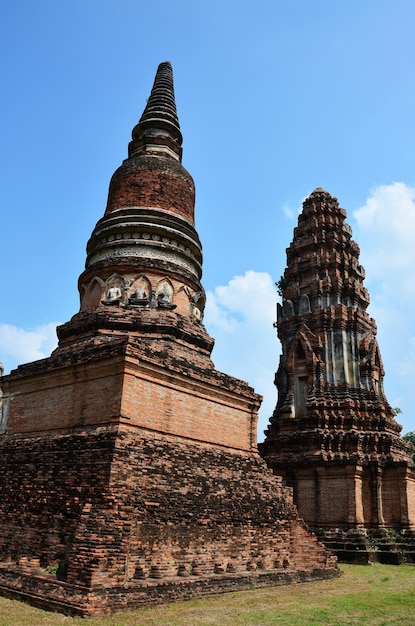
[{"x": 274, "y": 99}]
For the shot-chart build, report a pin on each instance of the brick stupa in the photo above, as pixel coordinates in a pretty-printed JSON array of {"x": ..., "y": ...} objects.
[
  {"x": 129, "y": 467},
  {"x": 333, "y": 436}
]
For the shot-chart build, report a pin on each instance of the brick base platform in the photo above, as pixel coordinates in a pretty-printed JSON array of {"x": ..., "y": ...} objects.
[
  {"x": 76, "y": 600},
  {"x": 124, "y": 518}
]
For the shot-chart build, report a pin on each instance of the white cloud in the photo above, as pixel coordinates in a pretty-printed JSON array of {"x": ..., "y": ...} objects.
[
  {"x": 18, "y": 345},
  {"x": 240, "y": 316},
  {"x": 288, "y": 211},
  {"x": 386, "y": 227},
  {"x": 291, "y": 213}
]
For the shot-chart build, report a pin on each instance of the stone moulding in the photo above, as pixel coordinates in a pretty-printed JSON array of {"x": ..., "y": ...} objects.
[
  {"x": 78, "y": 600},
  {"x": 143, "y": 232}
]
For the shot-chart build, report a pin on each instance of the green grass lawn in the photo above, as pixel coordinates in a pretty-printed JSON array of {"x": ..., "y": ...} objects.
[{"x": 379, "y": 595}]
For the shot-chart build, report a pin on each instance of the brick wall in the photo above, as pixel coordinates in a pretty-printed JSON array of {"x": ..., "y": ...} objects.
[
  {"x": 67, "y": 397},
  {"x": 112, "y": 508},
  {"x": 162, "y": 400},
  {"x": 152, "y": 181},
  {"x": 162, "y": 386}
]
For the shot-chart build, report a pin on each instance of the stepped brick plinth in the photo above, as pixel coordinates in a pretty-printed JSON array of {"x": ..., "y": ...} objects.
[
  {"x": 333, "y": 436},
  {"x": 129, "y": 470}
]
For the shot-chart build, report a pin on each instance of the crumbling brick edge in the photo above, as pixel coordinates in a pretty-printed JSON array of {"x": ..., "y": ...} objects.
[{"x": 76, "y": 600}]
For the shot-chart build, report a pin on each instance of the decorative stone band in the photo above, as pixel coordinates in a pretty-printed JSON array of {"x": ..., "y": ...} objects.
[
  {"x": 154, "y": 252},
  {"x": 146, "y": 233}
]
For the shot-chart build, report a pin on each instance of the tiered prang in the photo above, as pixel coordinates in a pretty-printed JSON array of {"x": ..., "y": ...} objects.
[{"x": 333, "y": 436}]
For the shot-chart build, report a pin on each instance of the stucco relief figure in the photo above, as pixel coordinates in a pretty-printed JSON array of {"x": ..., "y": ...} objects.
[
  {"x": 300, "y": 396},
  {"x": 281, "y": 382},
  {"x": 164, "y": 297},
  {"x": 195, "y": 312},
  {"x": 196, "y": 304},
  {"x": 113, "y": 296},
  {"x": 139, "y": 297}
]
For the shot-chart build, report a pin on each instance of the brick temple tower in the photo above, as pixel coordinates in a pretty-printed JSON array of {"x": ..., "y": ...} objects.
[
  {"x": 333, "y": 436},
  {"x": 129, "y": 467}
]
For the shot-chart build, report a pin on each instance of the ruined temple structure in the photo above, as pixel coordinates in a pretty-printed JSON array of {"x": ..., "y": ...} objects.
[
  {"x": 129, "y": 468},
  {"x": 333, "y": 436}
]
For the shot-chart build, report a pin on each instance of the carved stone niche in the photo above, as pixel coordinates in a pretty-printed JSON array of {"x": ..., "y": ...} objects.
[
  {"x": 304, "y": 304},
  {"x": 114, "y": 290},
  {"x": 197, "y": 305},
  {"x": 140, "y": 292},
  {"x": 92, "y": 294},
  {"x": 287, "y": 309},
  {"x": 164, "y": 295}
]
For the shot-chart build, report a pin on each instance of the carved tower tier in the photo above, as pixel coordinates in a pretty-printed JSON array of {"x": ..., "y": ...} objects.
[
  {"x": 130, "y": 472},
  {"x": 333, "y": 436}
]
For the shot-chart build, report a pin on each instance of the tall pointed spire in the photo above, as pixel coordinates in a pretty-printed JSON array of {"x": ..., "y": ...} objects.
[
  {"x": 146, "y": 241},
  {"x": 159, "y": 128},
  {"x": 153, "y": 175}
]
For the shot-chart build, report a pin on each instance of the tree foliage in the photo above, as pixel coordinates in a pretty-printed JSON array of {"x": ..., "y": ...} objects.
[
  {"x": 281, "y": 285},
  {"x": 410, "y": 437}
]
